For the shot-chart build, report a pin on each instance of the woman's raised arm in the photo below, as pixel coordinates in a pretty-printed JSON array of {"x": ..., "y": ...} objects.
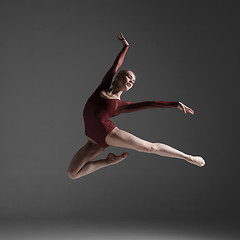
[{"x": 107, "y": 80}]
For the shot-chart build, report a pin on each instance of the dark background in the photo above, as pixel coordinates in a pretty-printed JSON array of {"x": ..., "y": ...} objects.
[{"x": 54, "y": 54}]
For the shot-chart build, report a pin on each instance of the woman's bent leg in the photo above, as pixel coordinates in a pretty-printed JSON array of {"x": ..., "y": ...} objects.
[
  {"x": 82, "y": 163},
  {"x": 92, "y": 166},
  {"x": 121, "y": 138},
  {"x": 84, "y": 155}
]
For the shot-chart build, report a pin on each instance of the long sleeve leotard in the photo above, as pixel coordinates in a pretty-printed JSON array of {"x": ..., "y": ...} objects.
[{"x": 98, "y": 110}]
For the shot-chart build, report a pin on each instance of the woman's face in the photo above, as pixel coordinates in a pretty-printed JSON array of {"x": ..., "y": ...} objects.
[{"x": 125, "y": 79}]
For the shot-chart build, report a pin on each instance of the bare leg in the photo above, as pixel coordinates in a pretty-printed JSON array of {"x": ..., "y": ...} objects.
[
  {"x": 98, "y": 164},
  {"x": 121, "y": 138},
  {"x": 82, "y": 163},
  {"x": 167, "y": 151}
]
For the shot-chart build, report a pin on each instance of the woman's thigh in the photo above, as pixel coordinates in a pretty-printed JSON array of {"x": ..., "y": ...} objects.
[{"x": 121, "y": 138}]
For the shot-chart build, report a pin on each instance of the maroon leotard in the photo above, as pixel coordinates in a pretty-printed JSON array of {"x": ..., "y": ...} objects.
[{"x": 98, "y": 110}]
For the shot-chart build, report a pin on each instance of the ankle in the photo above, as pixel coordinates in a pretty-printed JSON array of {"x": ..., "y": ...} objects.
[{"x": 189, "y": 157}]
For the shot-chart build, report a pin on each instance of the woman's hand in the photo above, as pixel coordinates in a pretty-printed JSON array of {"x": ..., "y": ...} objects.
[
  {"x": 122, "y": 39},
  {"x": 184, "y": 108}
]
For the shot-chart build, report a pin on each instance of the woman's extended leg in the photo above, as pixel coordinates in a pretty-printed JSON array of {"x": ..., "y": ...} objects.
[
  {"x": 82, "y": 163},
  {"x": 121, "y": 138}
]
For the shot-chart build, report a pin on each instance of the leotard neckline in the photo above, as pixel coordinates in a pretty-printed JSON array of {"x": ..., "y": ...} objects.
[{"x": 109, "y": 98}]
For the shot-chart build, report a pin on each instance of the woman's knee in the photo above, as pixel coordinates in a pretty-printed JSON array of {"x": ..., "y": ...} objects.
[
  {"x": 156, "y": 147},
  {"x": 148, "y": 148},
  {"x": 73, "y": 171},
  {"x": 71, "y": 174}
]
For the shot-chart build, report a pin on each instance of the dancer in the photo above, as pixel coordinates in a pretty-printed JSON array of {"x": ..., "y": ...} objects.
[{"x": 101, "y": 132}]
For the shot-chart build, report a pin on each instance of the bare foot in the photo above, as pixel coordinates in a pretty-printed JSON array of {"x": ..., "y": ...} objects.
[
  {"x": 113, "y": 159},
  {"x": 197, "y": 160}
]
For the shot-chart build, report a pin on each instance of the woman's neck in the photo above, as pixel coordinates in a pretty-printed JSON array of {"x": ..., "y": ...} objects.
[{"x": 114, "y": 91}]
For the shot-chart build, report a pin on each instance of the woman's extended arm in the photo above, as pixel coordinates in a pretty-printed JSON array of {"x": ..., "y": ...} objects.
[
  {"x": 107, "y": 80},
  {"x": 127, "y": 107}
]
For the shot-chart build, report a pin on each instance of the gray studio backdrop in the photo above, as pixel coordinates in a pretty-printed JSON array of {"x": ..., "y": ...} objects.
[{"x": 53, "y": 56}]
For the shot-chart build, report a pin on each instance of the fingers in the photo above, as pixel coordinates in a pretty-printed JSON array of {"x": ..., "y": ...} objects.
[
  {"x": 121, "y": 37},
  {"x": 191, "y": 111},
  {"x": 185, "y": 109}
]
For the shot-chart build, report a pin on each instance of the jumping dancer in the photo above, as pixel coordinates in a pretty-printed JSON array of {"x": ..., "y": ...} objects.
[{"x": 101, "y": 132}]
